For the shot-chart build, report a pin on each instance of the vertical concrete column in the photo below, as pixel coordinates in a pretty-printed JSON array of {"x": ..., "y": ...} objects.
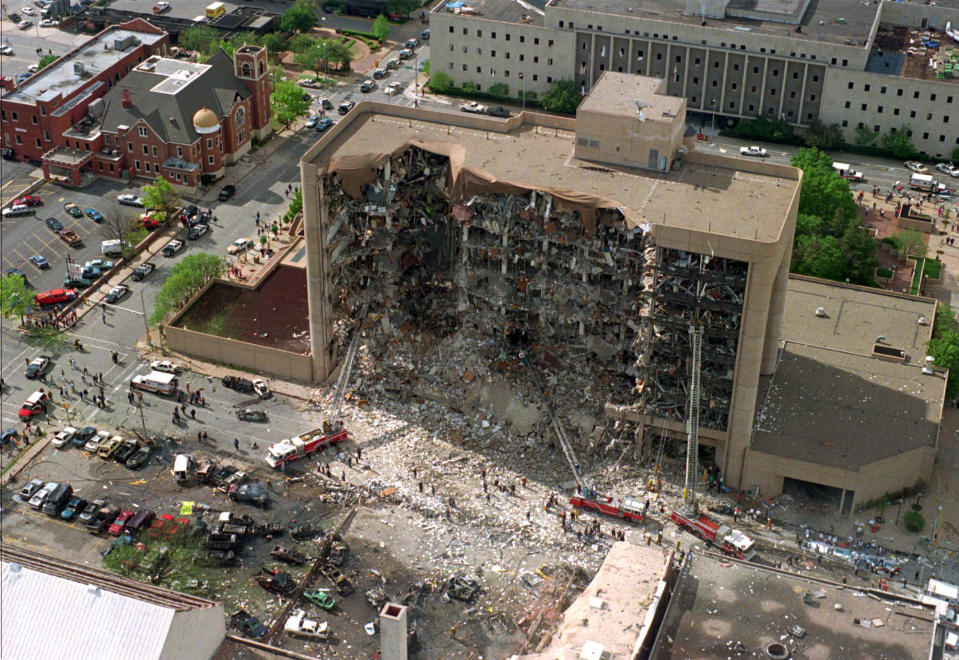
[
  {"x": 393, "y": 631},
  {"x": 777, "y": 306},
  {"x": 315, "y": 222},
  {"x": 743, "y": 404}
]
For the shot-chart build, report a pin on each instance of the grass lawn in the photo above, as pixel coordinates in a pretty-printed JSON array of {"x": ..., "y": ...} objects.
[{"x": 924, "y": 267}]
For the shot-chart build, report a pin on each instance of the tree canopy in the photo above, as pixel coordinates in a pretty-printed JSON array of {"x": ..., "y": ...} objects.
[
  {"x": 823, "y": 136},
  {"x": 287, "y": 102},
  {"x": 562, "y": 96},
  {"x": 47, "y": 60},
  {"x": 440, "y": 82},
  {"x": 944, "y": 346},
  {"x": 829, "y": 242},
  {"x": 196, "y": 37},
  {"x": 402, "y": 7},
  {"x": 898, "y": 142},
  {"x": 186, "y": 278},
  {"x": 381, "y": 27},
  {"x": 298, "y": 18},
  {"x": 15, "y": 296},
  {"x": 161, "y": 196}
]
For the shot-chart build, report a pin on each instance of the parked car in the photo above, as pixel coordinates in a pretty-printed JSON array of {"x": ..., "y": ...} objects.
[
  {"x": 249, "y": 415},
  {"x": 141, "y": 271},
  {"x": 94, "y": 215},
  {"x": 63, "y": 437},
  {"x": 288, "y": 555},
  {"x": 165, "y": 366},
  {"x": 125, "y": 451},
  {"x": 109, "y": 448},
  {"x": 40, "y": 497},
  {"x": 227, "y": 193},
  {"x": 38, "y": 366},
  {"x": 425, "y": 35},
  {"x": 53, "y": 224},
  {"x": 120, "y": 522},
  {"x": 128, "y": 199},
  {"x": 139, "y": 458},
  {"x": 17, "y": 210},
  {"x": 196, "y": 231},
  {"x": 73, "y": 508},
  {"x": 324, "y": 124},
  {"x": 473, "y": 107},
  {"x": 172, "y": 248},
  {"x": 276, "y": 581},
  {"x": 31, "y": 489},
  {"x": 393, "y": 64},
  {"x": 406, "y": 54},
  {"x": 71, "y": 238},
  {"x": 311, "y": 122},
  {"x": 346, "y": 106},
  {"x": 35, "y": 404},
  {"x": 140, "y": 520},
  {"x": 38, "y": 261},
  {"x": 117, "y": 293},
  {"x": 248, "y": 625},
  {"x": 58, "y": 499},
  {"x": 380, "y": 74},
  {"x": 239, "y": 245},
  {"x": 103, "y": 519},
  {"x": 93, "y": 444},
  {"x": 320, "y": 597},
  {"x": 413, "y": 43},
  {"x": 73, "y": 209},
  {"x": 753, "y": 151},
  {"x": 300, "y": 626},
  {"x": 55, "y": 296},
  {"x": 948, "y": 168},
  {"x": 367, "y": 86},
  {"x": 498, "y": 111},
  {"x": 29, "y": 200},
  {"x": 250, "y": 493},
  {"x": 77, "y": 282},
  {"x": 90, "y": 511},
  {"x": 916, "y": 167},
  {"x": 6, "y": 49}
]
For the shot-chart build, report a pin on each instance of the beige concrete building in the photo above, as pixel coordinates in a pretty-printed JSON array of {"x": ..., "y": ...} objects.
[
  {"x": 851, "y": 410},
  {"x": 793, "y": 60},
  {"x": 507, "y": 219}
]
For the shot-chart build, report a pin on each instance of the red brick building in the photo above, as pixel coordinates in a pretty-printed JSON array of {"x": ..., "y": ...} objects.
[{"x": 118, "y": 107}]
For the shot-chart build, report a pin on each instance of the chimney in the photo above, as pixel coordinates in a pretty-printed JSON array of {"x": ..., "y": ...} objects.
[
  {"x": 127, "y": 99},
  {"x": 7, "y": 84}
]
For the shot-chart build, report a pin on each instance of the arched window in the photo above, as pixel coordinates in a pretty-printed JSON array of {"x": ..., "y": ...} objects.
[
  {"x": 240, "y": 117},
  {"x": 262, "y": 67},
  {"x": 246, "y": 70}
]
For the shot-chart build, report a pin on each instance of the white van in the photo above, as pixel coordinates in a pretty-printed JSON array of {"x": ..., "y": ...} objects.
[
  {"x": 182, "y": 468},
  {"x": 922, "y": 182},
  {"x": 112, "y": 248},
  {"x": 155, "y": 381},
  {"x": 17, "y": 209}
]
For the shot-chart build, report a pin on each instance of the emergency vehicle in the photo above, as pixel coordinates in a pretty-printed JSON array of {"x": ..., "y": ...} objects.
[
  {"x": 730, "y": 541},
  {"x": 293, "y": 449}
]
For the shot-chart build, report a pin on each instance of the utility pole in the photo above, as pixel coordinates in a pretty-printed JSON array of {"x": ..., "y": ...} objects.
[
  {"x": 692, "y": 419},
  {"x": 522, "y": 77},
  {"x": 146, "y": 326}
]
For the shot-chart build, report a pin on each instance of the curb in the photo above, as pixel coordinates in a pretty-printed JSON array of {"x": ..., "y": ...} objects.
[
  {"x": 33, "y": 187},
  {"x": 25, "y": 458}
]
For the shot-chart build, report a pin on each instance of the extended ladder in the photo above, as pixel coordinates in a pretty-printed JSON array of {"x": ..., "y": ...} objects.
[
  {"x": 344, "y": 379},
  {"x": 692, "y": 420}
]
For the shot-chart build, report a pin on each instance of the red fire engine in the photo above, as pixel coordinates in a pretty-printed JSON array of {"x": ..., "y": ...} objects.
[
  {"x": 730, "y": 541},
  {"x": 293, "y": 449},
  {"x": 626, "y": 508}
]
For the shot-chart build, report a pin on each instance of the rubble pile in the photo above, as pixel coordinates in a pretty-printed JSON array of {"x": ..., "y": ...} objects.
[{"x": 465, "y": 276}]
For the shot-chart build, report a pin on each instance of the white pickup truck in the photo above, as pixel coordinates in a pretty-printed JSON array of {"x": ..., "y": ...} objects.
[{"x": 753, "y": 151}]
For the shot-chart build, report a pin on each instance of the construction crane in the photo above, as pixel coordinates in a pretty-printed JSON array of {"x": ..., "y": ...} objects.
[
  {"x": 586, "y": 496},
  {"x": 692, "y": 419}
]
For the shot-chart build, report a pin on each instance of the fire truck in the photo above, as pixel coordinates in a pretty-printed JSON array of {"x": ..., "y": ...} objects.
[
  {"x": 730, "y": 541},
  {"x": 293, "y": 449},
  {"x": 626, "y": 508},
  {"x": 329, "y": 433}
]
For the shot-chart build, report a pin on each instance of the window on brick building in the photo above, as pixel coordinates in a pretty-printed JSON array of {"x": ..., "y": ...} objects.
[{"x": 141, "y": 131}]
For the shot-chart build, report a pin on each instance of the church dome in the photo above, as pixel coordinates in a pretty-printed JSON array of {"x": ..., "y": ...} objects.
[{"x": 205, "y": 121}]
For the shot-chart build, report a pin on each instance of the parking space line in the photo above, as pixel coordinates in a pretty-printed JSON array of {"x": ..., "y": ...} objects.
[{"x": 13, "y": 362}]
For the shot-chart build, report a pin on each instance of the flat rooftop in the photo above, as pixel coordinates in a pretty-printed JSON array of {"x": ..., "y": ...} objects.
[
  {"x": 906, "y": 52},
  {"x": 617, "y": 94},
  {"x": 820, "y": 22},
  {"x": 830, "y": 401},
  {"x": 719, "y": 199},
  {"x": 626, "y": 586},
  {"x": 722, "y": 608},
  {"x": 506, "y": 11},
  {"x": 96, "y": 55}
]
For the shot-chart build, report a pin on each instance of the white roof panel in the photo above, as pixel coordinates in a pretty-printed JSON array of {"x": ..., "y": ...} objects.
[{"x": 99, "y": 624}]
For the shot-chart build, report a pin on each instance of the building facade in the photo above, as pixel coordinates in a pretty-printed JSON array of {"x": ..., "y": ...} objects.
[
  {"x": 146, "y": 115},
  {"x": 796, "y": 61}
]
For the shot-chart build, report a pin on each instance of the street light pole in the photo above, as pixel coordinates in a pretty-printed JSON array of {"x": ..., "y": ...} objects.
[
  {"x": 146, "y": 326},
  {"x": 522, "y": 76}
]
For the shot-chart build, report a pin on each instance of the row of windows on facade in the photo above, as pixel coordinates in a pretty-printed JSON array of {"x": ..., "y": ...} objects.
[
  {"x": 492, "y": 73},
  {"x": 882, "y": 90},
  {"x": 116, "y": 141},
  {"x": 522, "y": 38},
  {"x": 876, "y": 128},
  {"x": 180, "y": 179},
  {"x": 492, "y": 53},
  {"x": 703, "y": 42},
  {"x": 895, "y": 111},
  {"x": 679, "y": 60}
]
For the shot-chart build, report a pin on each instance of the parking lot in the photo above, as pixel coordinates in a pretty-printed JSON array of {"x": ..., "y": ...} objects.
[{"x": 26, "y": 236}]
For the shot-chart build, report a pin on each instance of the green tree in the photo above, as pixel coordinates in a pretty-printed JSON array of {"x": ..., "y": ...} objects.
[
  {"x": 955, "y": 155},
  {"x": 859, "y": 248},
  {"x": 15, "y": 296},
  {"x": 273, "y": 41},
  {"x": 298, "y": 18},
  {"x": 945, "y": 321},
  {"x": 196, "y": 37},
  {"x": 898, "y": 142},
  {"x": 824, "y": 193},
  {"x": 865, "y": 136},
  {"x": 287, "y": 102},
  {"x": 339, "y": 54},
  {"x": 381, "y": 28},
  {"x": 766, "y": 131},
  {"x": 300, "y": 43},
  {"x": 819, "y": 256},
  {"x": 441, "y": 83},
  {"x": 311, "y": 59},
  {"x": 499, "y": 90},
  {"x": 912, "y": 241},
  {"x": 186, "y": 278},
  {"x": 823, "y": 136},
  {"x": 808, "y": 224},
  {"x": 161, "y": 196},
  {"x": 944, "y": 346},
  {"x": 402, "y": 7},
  {"x": 914, "y": 522},
  {"x": 562, "y": 96},
  {"x": 47, "y": 60}
]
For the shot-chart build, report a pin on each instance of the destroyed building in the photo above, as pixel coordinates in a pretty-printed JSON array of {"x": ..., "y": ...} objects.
[{"x": 592, "y": 245}]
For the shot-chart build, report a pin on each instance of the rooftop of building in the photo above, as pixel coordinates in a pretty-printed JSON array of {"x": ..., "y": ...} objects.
[
  {"x": 910, "y": 53},
  {"x": 41, "y": 593},
  {"x": 505, "y": 11},
  {"x": 726, "y": 196},
  {"x": 837, "y": 21},
  {"x": 63, "y": 77},
  {"x": 628, "y": 94},
  {"x": 612, "y": 609},
  {"x": 830, "y": 401},
  {"x": 722, "y": 608},
  {"x": 167, "y": 94}
]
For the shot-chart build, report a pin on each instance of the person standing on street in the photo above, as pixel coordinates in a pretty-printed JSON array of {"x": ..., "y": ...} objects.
[{"x": 236, "y": 444}]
